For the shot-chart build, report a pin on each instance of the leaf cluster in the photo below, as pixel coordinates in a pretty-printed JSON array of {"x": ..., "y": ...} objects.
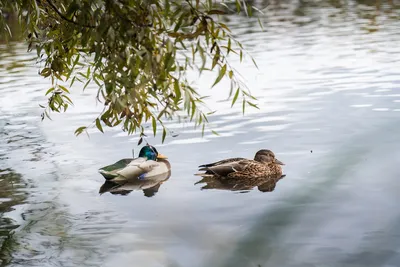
[{"x": 137, "y": 52}]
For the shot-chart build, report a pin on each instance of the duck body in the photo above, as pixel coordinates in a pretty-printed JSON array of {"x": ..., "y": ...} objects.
[
  {"x": 264, "y": 165},
  {"x": 149, "y": 164},
  {"x": 149, "y": 186}
]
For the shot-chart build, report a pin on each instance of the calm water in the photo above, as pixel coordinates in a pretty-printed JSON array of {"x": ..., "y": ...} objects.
[{"x": 327, "y": 82}]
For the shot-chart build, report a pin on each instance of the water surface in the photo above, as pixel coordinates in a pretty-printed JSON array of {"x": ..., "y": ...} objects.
[{"x": 327, "y": 86}]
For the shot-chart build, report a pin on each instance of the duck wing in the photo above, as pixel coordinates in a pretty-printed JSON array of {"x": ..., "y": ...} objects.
[
  {"x": 221, "y": 162},
  {"x": 110, "y": 171},
  {"x": 227, "y": 168},
  {"x": 252, "y": 169},
  {"x": 138, "y": 167}
]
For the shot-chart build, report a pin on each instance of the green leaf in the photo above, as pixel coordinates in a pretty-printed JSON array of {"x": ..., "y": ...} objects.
[
  {"x": 235, "y": 97},
  {"x": 154, "y": 124},
  {"x": 193, "y": 110},
  {"x": 63, "y": 88},
  {"x": 223, "y": 25},
  {"x": 202, "y": 55},
  {"x": 98, "y": 125},
  {"x": 47, "y": 115},
  {"x": 177, "y": 90},
  {"x": 216, "y": 12},
  {"x": 215, "y": 59},
  {"x": 46, "y": 72},
  {"x": 214, "y": 132},
  {"x": 58, "y": 76},
  {"x": 220, "y": 75},
  {"x": 253, "y": 105},
  {"x": 261, "y": 24},
  {"x": 86, "y": 84},
  {"x": 80, "y": 130},
  {"x": 249, "y": 9},
  {"x": 7, "y": 29},
  {"x": 238, "y": 7},
  {"x": 69, "y": 101},
  {"x": 213, "y": 46},
  {"x": 72, "y": 82},
  {"x": 164, "y": 134},
  {"x": 209, "y": 2},
  {"x": 49, "y": 91}
]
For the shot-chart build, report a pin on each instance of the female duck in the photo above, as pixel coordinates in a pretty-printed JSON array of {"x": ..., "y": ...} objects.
[
  {"x": 149, "y": 163},
  {"x": 264, "y": 165}
]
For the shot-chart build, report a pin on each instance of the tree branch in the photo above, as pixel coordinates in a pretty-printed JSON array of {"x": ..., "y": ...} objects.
[{"x": 67, "y": 19}]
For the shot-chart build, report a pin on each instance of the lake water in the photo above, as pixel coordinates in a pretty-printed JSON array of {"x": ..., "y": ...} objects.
[{"x": 328, "y": 90}]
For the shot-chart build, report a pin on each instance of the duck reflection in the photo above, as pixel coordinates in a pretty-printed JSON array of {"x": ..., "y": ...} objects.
[
  {"x": 149, "y": 185},
  {"x": 264, "y": 184}
]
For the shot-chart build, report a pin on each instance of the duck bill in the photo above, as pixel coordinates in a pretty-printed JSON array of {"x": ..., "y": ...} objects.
[
  {"x": 161, "y": 156},
  {"x": 277, "y": 161}
]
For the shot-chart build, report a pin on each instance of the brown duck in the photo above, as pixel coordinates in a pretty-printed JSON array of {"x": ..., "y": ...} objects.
[{"x": 263, "y": 166}]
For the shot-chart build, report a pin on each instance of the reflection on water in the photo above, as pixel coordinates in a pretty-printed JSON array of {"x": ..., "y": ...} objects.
[
  {"x": 11, "y": 195},
  {"x": 264, "y": 184},
  {"x": 150, "y": 185},
  {"x": 327, "y": 81}
]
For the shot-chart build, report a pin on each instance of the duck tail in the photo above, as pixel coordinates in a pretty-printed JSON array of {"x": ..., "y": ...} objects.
[
  {"x": 207, "y": 170},
  {"x": 206, "y": 165}
]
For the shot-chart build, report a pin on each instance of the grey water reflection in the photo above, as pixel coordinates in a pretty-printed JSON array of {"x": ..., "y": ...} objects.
[
  {"x": 11, "y": 195},
  {"x": 328, "y": 81}
]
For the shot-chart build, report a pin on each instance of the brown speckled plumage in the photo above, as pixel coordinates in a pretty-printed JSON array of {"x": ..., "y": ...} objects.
[{"x": 264, "y": 165}]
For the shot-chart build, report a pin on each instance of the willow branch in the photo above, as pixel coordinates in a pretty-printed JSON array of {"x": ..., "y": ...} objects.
[{"x": 67, "y": 19}]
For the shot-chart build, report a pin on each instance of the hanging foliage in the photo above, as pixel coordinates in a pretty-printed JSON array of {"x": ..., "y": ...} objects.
[{"x": 137, "y": 52}]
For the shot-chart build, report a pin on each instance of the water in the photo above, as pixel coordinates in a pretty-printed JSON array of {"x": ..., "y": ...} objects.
[{"x": 329, "y": 102}]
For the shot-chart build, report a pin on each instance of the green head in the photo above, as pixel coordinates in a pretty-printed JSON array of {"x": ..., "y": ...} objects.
[{"x": 151, "y": 153}]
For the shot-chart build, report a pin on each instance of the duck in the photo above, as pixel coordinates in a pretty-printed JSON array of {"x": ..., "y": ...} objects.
[
  {"x": 263, "y": 165},
  {"x": 148, "y": 164}
]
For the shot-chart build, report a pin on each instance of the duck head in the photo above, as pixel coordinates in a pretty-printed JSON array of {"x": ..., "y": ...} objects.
[
  {"x": 151, "y": 153},
  {"x": 267, "y": 156}
]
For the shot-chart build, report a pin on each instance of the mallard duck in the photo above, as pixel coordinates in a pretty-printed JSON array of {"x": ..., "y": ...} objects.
[
  {"x": 149, "y": 163},
  {"x": 264, "y": 165}
]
